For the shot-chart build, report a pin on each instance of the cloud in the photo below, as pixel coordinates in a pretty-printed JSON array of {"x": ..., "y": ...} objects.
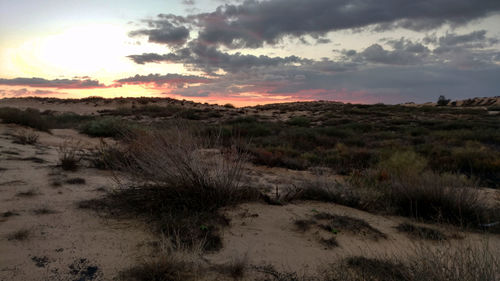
[
  {"x": 167, "y": 29},
  {"x": 175, "y": 80},
  {"x": 381, "y": 83},
  {"x": 402, "y": 55},
  {"x": 56, "y": 83},
  {"x": 252, "y": 23},
  {"x": 453, "y": 42},
  {"x": 27, "y": 93},
  {"x": 209, "y": 59}
]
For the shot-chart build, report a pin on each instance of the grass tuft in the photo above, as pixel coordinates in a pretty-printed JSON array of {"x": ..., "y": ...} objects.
[
  {"x": 421, "y": 232},
  {"x": 20, "y": 235}
]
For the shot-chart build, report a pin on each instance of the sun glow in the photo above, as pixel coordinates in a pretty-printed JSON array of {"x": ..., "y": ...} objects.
[{"x": 96, "y": 50}]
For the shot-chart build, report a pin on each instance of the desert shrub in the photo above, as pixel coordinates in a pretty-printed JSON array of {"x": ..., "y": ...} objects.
[
  {"x": 106, "y": 127},
  {"x": 277, "y": 157},
  {"x": 67, "y": 120},
  {"x": 475, "y": 159},
  {"x": 447, "y": 198},
  {"x": 70, "y": 155},
  {"x": 107, "y": 156},
  {"x": 250, "y": 127},
  {"x": 300, "y": 121},
  {"x": 337, "y": 223},
  {"x": 463, "y": 262},
  {"x": 403, "y": 163},
  {"x": 76, "y": 181},
  {"x": 29, "y": 117},
  {"x": 468, "y": 263},
  {"x": 401, "y": 185},
  {"x": 322, "y": 188},
  {"x": 171, "y": 263},
  {"x": 228, "y": 105},
  {"x": 19, "y": 235},
  {"x": 180, "y": 180},
  {"x": 346, "y": 159},
  {"x": 26, "y": 137},
  {"x": 420, "y": 232}
]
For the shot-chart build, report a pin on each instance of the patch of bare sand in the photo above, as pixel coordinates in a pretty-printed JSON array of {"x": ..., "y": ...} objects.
[
  {"x": 61, "y": 242},
  {"x": 267, "y": 235}
]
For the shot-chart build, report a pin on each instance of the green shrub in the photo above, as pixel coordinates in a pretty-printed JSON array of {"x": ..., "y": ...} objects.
[
  {"x": 403, "y": 163},
  {"x": 106, "y": 127},
  {"x": 300, "y": 121},
  {"x": 29, "y": 117}
]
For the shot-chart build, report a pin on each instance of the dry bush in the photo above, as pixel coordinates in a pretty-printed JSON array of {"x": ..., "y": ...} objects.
[
  {"x": 402, "y": 186},
  {"x": 203, "y": 174},
  {"x": 70, "y": 155},
  {"x": 420, "y": 232},
  {"x": 173, "y": 263},
  {"x": 29, "y": 117},
  {"x": 441, "y": 198},
  {"x": 76, "y": 181},
  {"x": 466, "y": 263},
  {"x": 20, "y": 235},
  {"x": 108, "y": 156},
  {"x": 26, "y": 137},
  {"x": 236, "y": 268},
  {"x": 178, "y": 182},
  {"x": 321, "y": 188},
  {"x": 355, "y": 226}
]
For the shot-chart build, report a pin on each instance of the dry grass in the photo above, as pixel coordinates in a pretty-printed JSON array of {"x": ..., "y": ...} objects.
[
  {"x": 76, "y": 181},
  {"x": 173, "y": 262},
  {"x": 329, "y": 242},
  {"x": 303, "y": 225},
  {"x": 26, "y": 137},
  {"x": 179, "y": 181},
  {"x": 9, "y": 214},
  {"x": 236, "y": 268},
  {"x": 352, "y": 225},
  {"x": 421, "y": 232},
  {"x": 467, "y": 263},
  {"x": 20, "y": 235},
  {"x": 28, "y": 193},
  {"x": 70, "y": 155},
  {"x": 43, "y": 211}
]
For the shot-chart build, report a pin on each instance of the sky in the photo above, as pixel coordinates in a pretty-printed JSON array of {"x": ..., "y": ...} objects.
[{"x": 249, "y": 52}]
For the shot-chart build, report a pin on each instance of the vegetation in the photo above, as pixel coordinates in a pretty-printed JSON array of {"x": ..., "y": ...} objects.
[
  {"x": 70, "y": 155},
  {"x": 421, "y": 231},
  {"x": 26, "y": 137},
  {"x": 20, "y": 235},
  {"x": 188, "y": 180},
  {"x": 350, "y": 138},
  {"x": 29, "y": 117}
]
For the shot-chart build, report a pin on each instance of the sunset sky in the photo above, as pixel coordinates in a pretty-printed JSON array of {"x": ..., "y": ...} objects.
[{"x": 251, "y": 52}]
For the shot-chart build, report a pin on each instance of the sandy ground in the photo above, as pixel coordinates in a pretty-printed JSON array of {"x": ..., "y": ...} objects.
[
  {"x": 267, "y": 235},
  {"x": 67, "y": 243}
]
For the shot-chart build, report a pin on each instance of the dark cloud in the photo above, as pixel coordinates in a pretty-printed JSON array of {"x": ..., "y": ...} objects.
[
  {"x": 167, "y": 29},
  {"x": 453, "y": 41},
  {"x": 56, "y": 83},
  {"x": 188, "y": 2},
  {"x": 252, "y": 23},
  {"x": 209, "y": 59},
  {"x": 375, "y": 53},
  {"x": 175, "y": 80},
  {"x": 387, "y": 84}
]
